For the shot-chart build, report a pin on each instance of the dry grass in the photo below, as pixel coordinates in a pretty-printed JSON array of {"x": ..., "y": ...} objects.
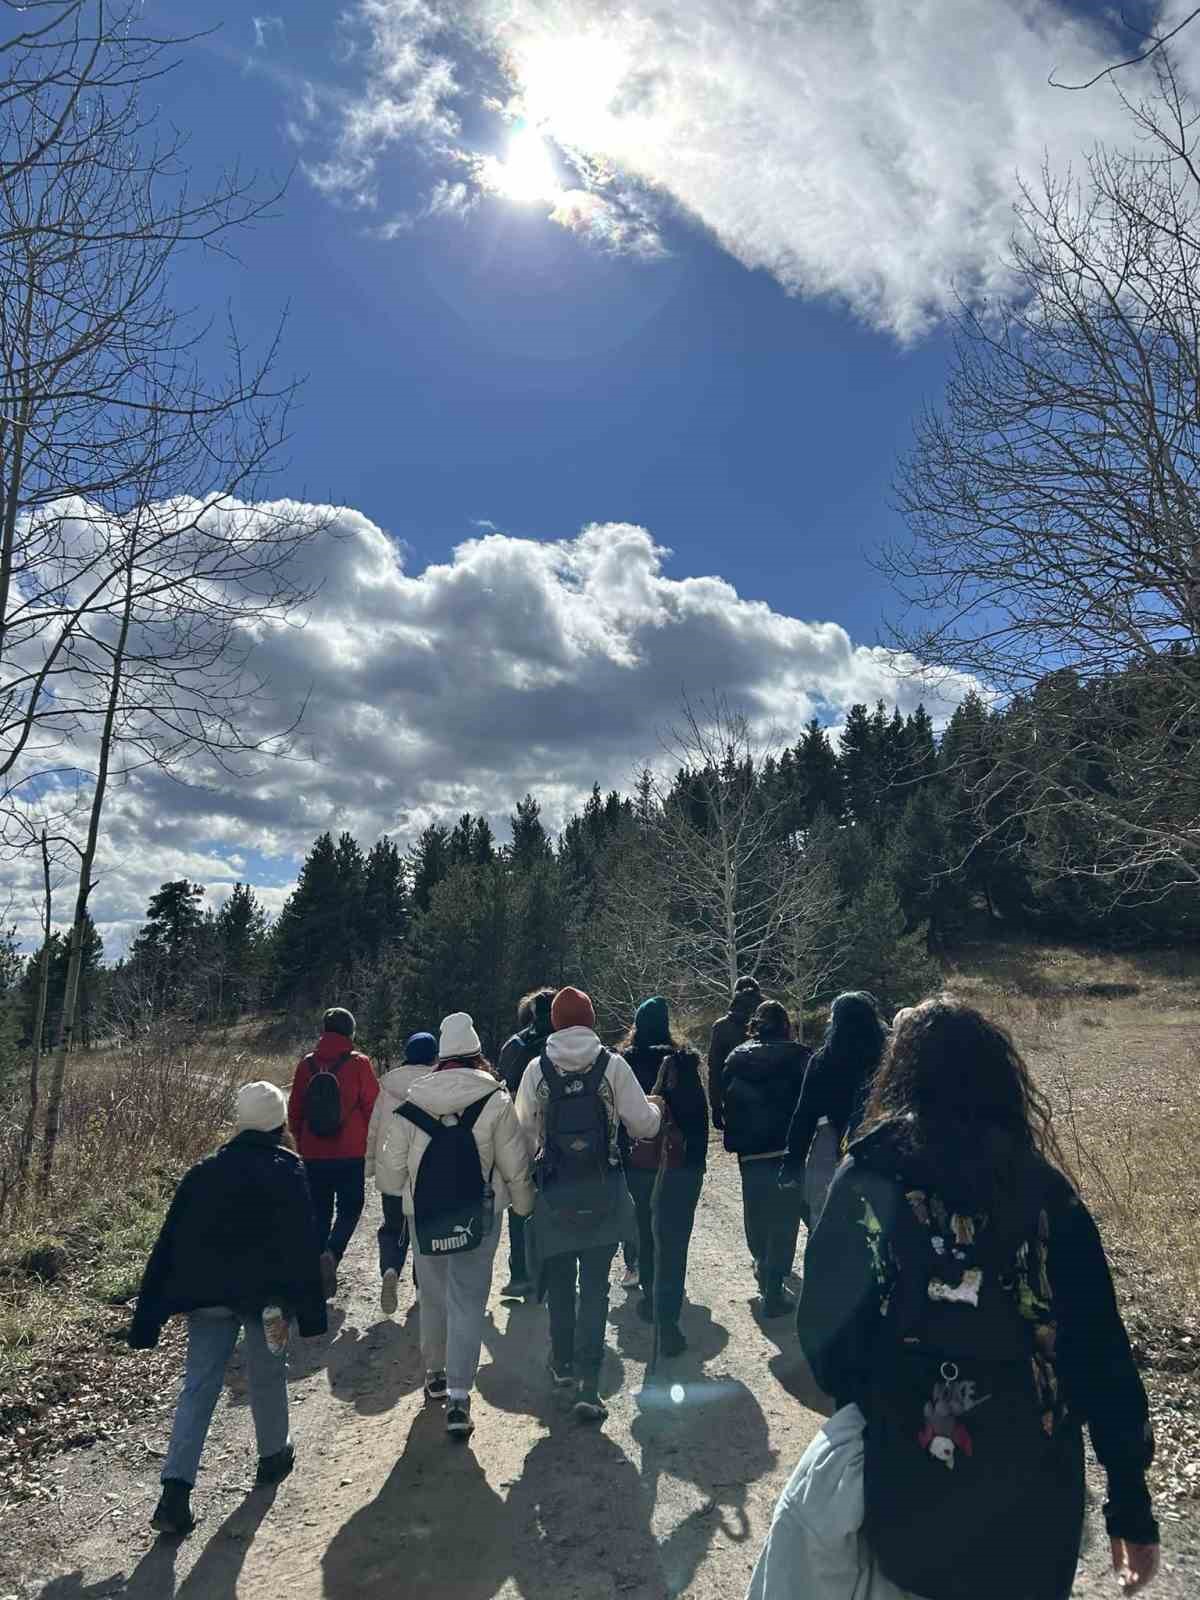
[
  {"x": 1115, "y": 1043},
  {"x": 134, "y": 1118}
]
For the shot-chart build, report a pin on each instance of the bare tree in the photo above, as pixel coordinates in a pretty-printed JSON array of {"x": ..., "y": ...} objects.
[
  {"x": 140, "y": 556},
  {"x": 1054, "y": 548},
  {"x": 740, "y": 895}
]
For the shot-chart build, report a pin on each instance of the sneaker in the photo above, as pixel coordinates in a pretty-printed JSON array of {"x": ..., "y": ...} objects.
[
  {"x": 173, "y": 1513},
  {"x": 274, "y": 1469},
  {"x": 630, "y": 1278},
  {"x": 588, "y": 1405},
  {"x": 561, "y": 1375},
  {"x": 458, "y": 1418},
  {"x": 516, "y": 1289},
  {"x": 328, "y": 1274},
  {"x": 435, "y": 1386},
  {"x": 389, "y": 1297},
  {"x": 645, "y": 1310},
  {"x": 671, "y": 1341}
]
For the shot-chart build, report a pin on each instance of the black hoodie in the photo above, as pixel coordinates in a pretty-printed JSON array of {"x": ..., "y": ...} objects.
[{"x": 840, "y": 1318}]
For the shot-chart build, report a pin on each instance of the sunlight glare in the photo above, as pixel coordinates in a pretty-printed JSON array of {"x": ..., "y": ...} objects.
[{"x": 527, "y": 173}]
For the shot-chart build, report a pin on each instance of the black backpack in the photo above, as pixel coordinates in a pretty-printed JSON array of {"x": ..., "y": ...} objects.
[
  {"x": 751, "y": 1117},
  {"x": 323, "y": 1097},
  {"x": 453, "y": 1207},
  {"x": 964, "y": 1459},
  {"x": 574, "y": 1171}
]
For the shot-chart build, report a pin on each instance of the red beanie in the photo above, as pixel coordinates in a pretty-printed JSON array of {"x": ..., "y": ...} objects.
[{"x": 571, "y": 1008}]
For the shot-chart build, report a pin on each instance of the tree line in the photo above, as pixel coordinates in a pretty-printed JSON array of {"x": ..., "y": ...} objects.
[{"x": 816, "y": 864}]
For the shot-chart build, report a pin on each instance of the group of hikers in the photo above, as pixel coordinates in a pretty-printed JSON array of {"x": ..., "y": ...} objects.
[{"x": 956, "y": 1303}]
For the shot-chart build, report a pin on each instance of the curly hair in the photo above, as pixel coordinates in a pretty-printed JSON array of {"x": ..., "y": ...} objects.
[{"x": 955, "y": 1080}]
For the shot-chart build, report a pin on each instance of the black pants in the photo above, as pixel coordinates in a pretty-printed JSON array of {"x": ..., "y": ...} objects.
[
  {"x": 393, "y": 1236},
  {"x": 339, "y": 1184},
  {"x": 664, "y": 1268},
  {"x": 577, "y": 1332},
  {"x": 517, "y": 1264},
  {"x": 772, "y": 1218}
]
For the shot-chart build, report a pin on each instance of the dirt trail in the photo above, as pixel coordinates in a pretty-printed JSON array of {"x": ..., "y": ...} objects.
[{"x": 667, "y": 1499}]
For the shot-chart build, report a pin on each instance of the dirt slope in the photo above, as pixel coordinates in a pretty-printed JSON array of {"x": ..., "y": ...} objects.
[{"x": 668, "y": 1499}]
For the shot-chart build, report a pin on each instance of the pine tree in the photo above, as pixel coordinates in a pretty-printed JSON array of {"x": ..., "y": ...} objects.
[
  {"x": 818, "y": 776},
  {"x": 165, "y": 953},
  {"x": 384, "y": 914},
  {"x": 930, "y": 890},
  {"x": 884, "y": 958},
  {"x": 530, "y": 846},
  {"x": 858, "y": 760},
  {"x": 240, "y": 938},
  {"x": 307, "y": 948},
  {"x": 429, "y": 862}
]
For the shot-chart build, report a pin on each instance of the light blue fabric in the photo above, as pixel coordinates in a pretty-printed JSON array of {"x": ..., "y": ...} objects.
[
  {"x": 815, "y": 1549},
  {"x": 212, "y": 1336}
]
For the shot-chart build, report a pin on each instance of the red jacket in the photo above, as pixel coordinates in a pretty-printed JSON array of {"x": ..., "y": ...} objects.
[{"x": 360, "y": 1089}]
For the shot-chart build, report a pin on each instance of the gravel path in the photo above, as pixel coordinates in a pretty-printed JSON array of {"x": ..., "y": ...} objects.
[{"x": 667, "y": 1499}]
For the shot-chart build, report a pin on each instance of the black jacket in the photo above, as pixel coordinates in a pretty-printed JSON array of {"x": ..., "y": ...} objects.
[
  {"x": 840, "y": 1318},
  {"x": 834, "y": 1089},
  {"x": 761, "y": 1084},
  {"x": 240, "y": 1233},
  {"x": 516, "y": 1053},
  {"x": 685, "y": 1100}
]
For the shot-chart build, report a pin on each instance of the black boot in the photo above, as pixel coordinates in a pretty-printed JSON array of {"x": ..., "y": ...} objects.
[
  {"x": 173, "y": 1513},
  {"x": 274, "y": 1469},
  {"x": 776, "y": 1300}
]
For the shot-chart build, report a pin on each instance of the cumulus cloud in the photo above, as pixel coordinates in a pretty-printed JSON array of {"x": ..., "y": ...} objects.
[
  {"x": 516, "y": 665},
  {"x": 864, "y": 149}
]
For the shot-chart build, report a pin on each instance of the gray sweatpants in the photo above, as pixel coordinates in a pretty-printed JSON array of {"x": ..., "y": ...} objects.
[{"x": 454, "y": 1296}]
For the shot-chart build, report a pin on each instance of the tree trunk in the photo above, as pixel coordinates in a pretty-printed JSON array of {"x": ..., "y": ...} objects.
[
  {"x": 29, "y": 1132},
  {"x": 66, "y": 1026}
]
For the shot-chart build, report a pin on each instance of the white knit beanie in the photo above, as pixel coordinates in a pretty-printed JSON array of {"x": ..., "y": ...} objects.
[
  {"x": 458, "y": 1037},
  {"x": 260, "y": 1106}
]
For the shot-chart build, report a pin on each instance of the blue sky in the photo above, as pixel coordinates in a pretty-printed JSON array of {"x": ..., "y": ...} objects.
[
  {"x": 574, "y": 286},
  {"x": 504, "y": 369}
]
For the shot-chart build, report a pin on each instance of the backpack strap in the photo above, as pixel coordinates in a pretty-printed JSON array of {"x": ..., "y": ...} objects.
[
  {"x": 473, "y": 1112},
  {"x": 597, "y": 1070},
  {"x": 551, "y": 1077},
  {"x": 434, "y": 1125}
]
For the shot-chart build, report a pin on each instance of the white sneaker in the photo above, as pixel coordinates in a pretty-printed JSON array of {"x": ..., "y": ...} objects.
[
  {"x": 630, "y": 1278},
  {"x": 389, "y": 1299}
]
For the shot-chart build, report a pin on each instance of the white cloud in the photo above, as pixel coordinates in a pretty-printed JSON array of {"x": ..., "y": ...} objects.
[
  {"x": 516, "y": 665},
  {"x": 866, "y": 149}
]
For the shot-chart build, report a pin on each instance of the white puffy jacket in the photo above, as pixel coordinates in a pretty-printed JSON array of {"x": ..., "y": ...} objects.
[
  {"x": 393, "y": 1092},
  {"x": 503, "y": 1151}
]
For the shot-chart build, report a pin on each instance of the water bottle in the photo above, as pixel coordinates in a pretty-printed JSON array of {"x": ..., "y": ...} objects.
[{"x": 275, "y": 1329}]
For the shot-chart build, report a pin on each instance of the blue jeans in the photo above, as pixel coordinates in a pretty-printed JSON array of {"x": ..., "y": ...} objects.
[{"x": 212, "y": 1336}]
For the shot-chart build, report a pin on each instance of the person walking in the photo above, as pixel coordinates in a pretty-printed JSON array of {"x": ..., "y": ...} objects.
[
  {"x": 761, "y": 1086},
  {"x": 455, "y": 1154},
  {"x": 329, "y": 1112},
  {"x": 727, "y": 1033},
  {"x": 420, "y": 1053},
  {"x": 958, "y": 1305},
  {"x": 517, "y": 1051},
  {"x": 571, "y": 1105},
  {"x": 666, "y": 1173},
  {"x": 237, "y": 1253},
  {"x": 834, "y": 1096}
]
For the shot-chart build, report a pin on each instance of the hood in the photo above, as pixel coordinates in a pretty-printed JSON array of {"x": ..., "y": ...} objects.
[
  {"x": 756, "y": 1059},
  {"x": 332, "y": 1045},
  {"x": 573, "y": 1049},
  {"x": 398, "y": 1080},
  {"x": 452, "y": 1090}
]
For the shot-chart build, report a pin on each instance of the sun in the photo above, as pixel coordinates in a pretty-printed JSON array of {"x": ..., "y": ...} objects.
[{"x": 526, "y": 173}]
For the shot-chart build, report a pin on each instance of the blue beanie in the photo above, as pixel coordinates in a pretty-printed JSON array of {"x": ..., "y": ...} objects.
[
  {"x": 420, "y": 1050},
  {"x": 651, "y": 1022}
]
